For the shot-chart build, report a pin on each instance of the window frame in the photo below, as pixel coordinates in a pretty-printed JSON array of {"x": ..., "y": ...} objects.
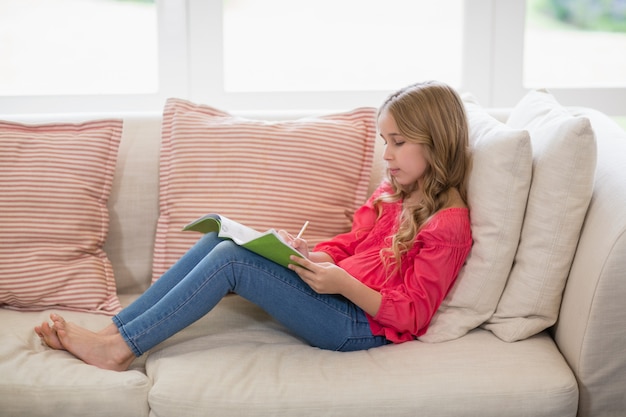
[{"x": 190, "y": 66}]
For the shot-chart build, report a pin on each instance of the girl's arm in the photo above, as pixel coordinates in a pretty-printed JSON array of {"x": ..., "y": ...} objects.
[
  {"x": 320, "y": 257},
  {"x": 328, "y": 278},
  {"x": 360, "y": 294}
]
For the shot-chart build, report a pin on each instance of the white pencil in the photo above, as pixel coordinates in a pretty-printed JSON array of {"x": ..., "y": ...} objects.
[{"x": 302, "y": 230}]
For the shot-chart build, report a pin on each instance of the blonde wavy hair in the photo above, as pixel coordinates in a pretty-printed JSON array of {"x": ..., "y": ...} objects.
[{"x": 432, "y": 114}]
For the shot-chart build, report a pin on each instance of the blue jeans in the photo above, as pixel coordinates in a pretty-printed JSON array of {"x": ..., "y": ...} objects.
[{"x": 214, "y": 267}]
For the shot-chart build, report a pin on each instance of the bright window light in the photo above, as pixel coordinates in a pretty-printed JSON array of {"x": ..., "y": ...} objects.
[
  {"x": 575, "y": 44},
  {"x": 340, "y": 45},
  {"x": 68, "y": 47}
]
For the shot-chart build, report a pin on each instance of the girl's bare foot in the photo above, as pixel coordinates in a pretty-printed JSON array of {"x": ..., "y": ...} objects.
[
  {"x": 106, "y": 351},
  {"x": 109, "y": 330},
  {"x": 49, "y": 336}
]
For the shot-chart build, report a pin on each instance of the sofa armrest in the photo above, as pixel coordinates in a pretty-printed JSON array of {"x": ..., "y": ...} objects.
[{"x": 590, "y": 331}]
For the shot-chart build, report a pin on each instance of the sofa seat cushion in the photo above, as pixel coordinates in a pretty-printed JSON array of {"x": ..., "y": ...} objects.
[
  {"x": 39, "y": 381},
  {"x": 238, "y": 361}
]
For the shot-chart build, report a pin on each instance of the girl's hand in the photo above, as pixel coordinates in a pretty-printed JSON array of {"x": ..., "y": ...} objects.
[
  {"x": 298, "y": 244},
  {"x": 327, "y": 278},
  {"x": 323, "y": 277}
]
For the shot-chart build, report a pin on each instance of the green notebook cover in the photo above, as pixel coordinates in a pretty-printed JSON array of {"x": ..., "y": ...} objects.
[{"x": 268, "y": 244}]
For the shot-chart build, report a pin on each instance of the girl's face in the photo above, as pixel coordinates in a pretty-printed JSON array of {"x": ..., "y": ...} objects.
[{"x": 406, "y": 162}]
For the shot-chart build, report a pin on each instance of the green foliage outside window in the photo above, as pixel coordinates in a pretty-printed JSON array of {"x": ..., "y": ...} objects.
[{"x": 597, "y": 15}]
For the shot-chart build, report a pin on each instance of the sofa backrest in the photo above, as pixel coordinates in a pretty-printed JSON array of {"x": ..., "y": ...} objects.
[{"x": 134, "y": 203}]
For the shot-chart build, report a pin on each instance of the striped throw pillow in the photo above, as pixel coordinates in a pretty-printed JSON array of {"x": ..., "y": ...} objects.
[
  {"x": 55, "y": 181},
  {"x": 263, "y": 174}
]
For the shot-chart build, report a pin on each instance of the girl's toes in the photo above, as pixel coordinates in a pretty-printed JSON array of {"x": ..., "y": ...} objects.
[{"x": 49, "y": 336}]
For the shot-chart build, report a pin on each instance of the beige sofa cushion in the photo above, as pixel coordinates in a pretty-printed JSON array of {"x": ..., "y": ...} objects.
[
  {"x": 244, "y": 363},
  {"x": 134, "y": 203},
  {"x": 497, "y": 193},
  {"x": 262, "y": 174},
  {"x": 40, "y": 382},
  {"x": 564, "y": 162}
]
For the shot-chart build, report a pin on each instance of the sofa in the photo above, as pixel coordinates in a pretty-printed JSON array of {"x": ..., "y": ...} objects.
[{"x": 568, "y": 360}]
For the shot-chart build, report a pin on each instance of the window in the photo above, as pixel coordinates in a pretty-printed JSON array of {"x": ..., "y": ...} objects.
[
  {"x": 575, "y": 44},
  {"x": 247, "y": 55},
  {"x": 347, "y": 45},
  {"x": 326, "y": 54},
  {"x": 67, "y": 47}
]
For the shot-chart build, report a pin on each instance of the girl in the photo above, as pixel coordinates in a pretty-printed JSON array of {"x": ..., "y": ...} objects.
[{"x": 380, "y": 283}]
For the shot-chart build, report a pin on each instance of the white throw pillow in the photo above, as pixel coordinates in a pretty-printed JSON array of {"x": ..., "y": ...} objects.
[
  {"x": 564, "y": 162},
  {"x": 497, "y": 193}
]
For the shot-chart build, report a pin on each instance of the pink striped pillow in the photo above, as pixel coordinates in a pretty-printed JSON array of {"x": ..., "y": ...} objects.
[
  {"x": 263, "y": 174},
  {"x": 55, "y": 181}
]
